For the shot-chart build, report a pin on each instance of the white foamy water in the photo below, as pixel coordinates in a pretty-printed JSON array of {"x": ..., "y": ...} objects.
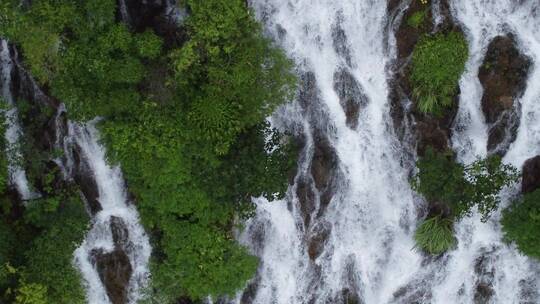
[
  {"x": 115, "y": 204},
  {"x": 372, "y": 215},
  {"x": 17, "y": 175},
  {"x": 509, "y": 273}
]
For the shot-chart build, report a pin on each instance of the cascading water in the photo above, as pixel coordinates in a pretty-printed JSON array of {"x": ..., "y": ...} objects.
[
  {"x": 17, "y": 175},
  {"x": 510, "y": 276},
  {"x": 115, "y": 227},
  {"x": 358, "y": 247},
  {"x": 365, "y": 231}
]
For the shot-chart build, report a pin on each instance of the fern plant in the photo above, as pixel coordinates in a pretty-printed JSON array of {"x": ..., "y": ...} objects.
[
  {"x": 435, "y": 235},
  {"x": 437, "y": 64}
]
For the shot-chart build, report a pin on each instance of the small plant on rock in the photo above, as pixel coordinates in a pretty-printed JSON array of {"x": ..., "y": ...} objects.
[
  {"x": 417, "y": 19},
  {"x": 435, "y": 235},
  {"x": 437, "y": 64}
]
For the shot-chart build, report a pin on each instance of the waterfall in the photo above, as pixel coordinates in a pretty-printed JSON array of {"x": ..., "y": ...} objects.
[
  {"x": 115, "y": 228},
  {"x": 358, "y": 246},
  {"x": 17, "y": 175},
  {"x": 354, "y": 243},
  {"x": 509, "y": 275}
]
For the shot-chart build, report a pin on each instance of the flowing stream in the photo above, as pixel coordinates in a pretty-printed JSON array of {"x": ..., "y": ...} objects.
[
  {"x": 357, "y": 246},
  {"x": 115, "y": 228},
  {"x": 17, "y": 175}
]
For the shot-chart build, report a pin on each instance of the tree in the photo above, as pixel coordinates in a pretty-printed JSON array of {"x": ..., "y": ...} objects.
[{"x": 521, "y": 224}]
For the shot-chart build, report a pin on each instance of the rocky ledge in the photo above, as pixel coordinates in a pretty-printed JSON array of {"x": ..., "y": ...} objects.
[{"x": 503, "y": 76}]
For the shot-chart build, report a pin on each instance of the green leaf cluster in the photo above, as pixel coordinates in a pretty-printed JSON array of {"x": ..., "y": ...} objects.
[
  {"x": 81, "y": 52},
  {"x": 417, "y": 19},
  {"x": 231, "y": 75},
  {"x": 437, "y": 64},
  {"x": 435, "y": 235},
  {"x": 521, "y": 224},
  {"x": 462, "y": 187}
]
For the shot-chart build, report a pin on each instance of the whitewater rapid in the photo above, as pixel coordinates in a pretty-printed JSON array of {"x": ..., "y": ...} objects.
[
  {"x": 115, "y": 207},
  {"x": 367, "y": 250},
  {"x": 371, "y": 216},
  {"x": 13, "y": 133}
]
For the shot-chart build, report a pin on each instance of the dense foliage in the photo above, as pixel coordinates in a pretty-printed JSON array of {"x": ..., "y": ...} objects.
[
  {"x": 435, "y": 235},
  {"x": 437, "y": 64},
  {"x": 38, "y": 239},
  {"x": 461, "y": 189},
  {"x": 186, "y": 122},
  {"x": 521, "y": 224}
]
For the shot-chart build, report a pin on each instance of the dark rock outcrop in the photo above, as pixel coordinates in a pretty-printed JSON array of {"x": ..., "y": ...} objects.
[
  {"x": 339, "y": 39},
  {"x": 317, "y": 240},
  {"x": 160, "y": 15},
  {"x": 503, "y": 75},
  {"x": 428, "y": 130},
  {"x": 84, "y": 177},
  {"x": 306, "y": 198},
  {"x": 114, "y": 268},
  {"x": 531, "y": 175},
  {"x": 115, "y": 271},
  {"x": 350, "y": 96},
  {"x": 484, "y": 287},
  {"x": 324, "y": 168}
]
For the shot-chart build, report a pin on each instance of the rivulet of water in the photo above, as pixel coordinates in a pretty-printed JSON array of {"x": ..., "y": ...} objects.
[
  {"x": 115, "y": 206},
  {"x": 17, "y": 175}
]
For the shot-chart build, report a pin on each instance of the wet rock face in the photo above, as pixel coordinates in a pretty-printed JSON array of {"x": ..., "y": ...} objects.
[
  {"x": 157, "y": 15},
  {"x": 115, "y": 271},
  {"x": 324, "y": 168},
  {"x": 317, "y": 240},
  {"x": 350, "y": 96},
  {"x": 407, "y": 36},
  {"x": 486, "y": 273},
  {"x": 84, "y": 177},
  {"x": 306, "y": 199},
  {"x": 428, "y": 130},
  {"x": 339, "y": 40},
  {"x": 114, "y": 268},
  {"x": 503, "y": 76},
  {"x": 531, "y": 175}
]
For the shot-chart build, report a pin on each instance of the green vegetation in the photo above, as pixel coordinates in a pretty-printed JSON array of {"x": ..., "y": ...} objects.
[
  {"x": 417, "y": 19},
  {"x": 460, "y": 188},
  {"x": 435, "y": 235},
  {"x": 437, "y": 64},
  {"x": 38, "y": 241},
  {"x": 521, "y": 224},
  {"x": 186, "y": 123},
  {"x": 31, "y": 294}
]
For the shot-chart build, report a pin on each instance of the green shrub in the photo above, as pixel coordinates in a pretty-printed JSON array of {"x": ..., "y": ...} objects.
[
  {"x": 462, "y": 187},
  {"x": 435, "y": 235},
  {"x": 31, "y": 294},
  {"x": 232, "y": 75},
  {"x": 437, "y": 64},
  {"x": 521, "y": 224},
  {"x": 417, "y": 19},
  {"x": 63, "y": 221}
]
